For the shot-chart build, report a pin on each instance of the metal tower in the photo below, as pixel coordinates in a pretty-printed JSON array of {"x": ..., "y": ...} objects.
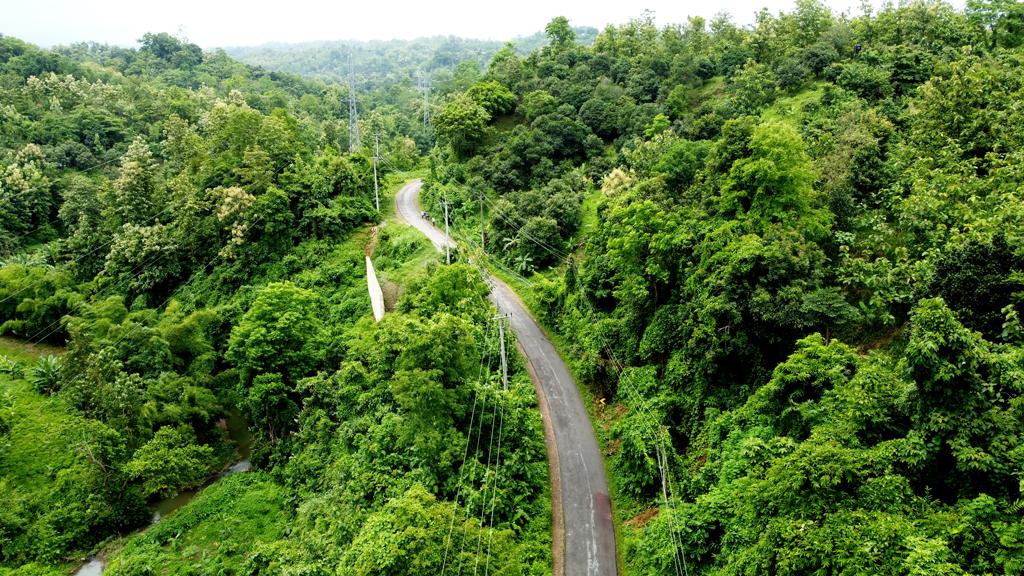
[{"x": 353, "y": 110}]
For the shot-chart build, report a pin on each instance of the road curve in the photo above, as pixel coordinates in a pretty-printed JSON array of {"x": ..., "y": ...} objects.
[
  {"x": 584, "y": 535},
  {"x": 408, "y": 204}
]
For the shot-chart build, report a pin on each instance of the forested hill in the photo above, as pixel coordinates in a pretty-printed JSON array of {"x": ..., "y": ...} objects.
[
  {"x": 445, "y": 61},
  {"x": 790, "y": 260},
  {"x": 182, "y": 243}
]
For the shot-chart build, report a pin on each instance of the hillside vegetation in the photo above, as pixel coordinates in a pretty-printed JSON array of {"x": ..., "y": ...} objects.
[
  {"x": 184, "y": 233},
  {"x": 785, "y": 261},
  {"x": 792, "y": 255}
]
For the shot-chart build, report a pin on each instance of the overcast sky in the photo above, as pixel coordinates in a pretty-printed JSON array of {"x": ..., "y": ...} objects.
[{"x": 213, "y": 23}]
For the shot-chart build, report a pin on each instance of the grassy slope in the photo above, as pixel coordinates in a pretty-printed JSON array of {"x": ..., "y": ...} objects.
[
  {"x": 40, "y": 442},
  {"x": 214, "y": 534}
]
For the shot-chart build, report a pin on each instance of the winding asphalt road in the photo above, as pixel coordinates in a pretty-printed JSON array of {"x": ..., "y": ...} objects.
[{"x": 583, "y": 533}]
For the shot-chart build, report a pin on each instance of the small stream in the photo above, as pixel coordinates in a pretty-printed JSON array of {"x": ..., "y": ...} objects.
[{"x": 238, "y": 431}]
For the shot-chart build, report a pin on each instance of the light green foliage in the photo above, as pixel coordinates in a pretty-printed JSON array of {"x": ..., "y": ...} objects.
[
  {"x": 538, "y": 103},
  {"x": 168, "y": 463},
  {"x": 495, "y": 98},
  {"x": 26, "y": 198},
  {"x": 134, "y": 196},
  {"x": 773, "y": 184},
  {"x": 461, "y": 124},
  {"x": 560, "y": 33},
  {"x": 143, "y": 258},
  {"x": 279, "y": 333},
  {"x": 34, "y": 300},
  {"x": 46, "y": 374},
  {"x": 1002, "y": 19},
  {"x": 58, "y": 478},
  {"x": 754, "y": 87}
]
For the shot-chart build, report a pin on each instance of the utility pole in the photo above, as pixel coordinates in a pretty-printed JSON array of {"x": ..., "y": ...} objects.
[
  {"x": 504, "y": 356},
  {"x": 483, "y": 236},
  {"x": 353, "y": 110},
  {"x": 376, "y": 157},
  {"x": 447, "y": 237}
]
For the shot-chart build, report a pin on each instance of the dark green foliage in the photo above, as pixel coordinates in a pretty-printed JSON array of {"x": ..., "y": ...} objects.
[
  {"x": 786, "y": 255},
  {"x": 978, "y": 282}
]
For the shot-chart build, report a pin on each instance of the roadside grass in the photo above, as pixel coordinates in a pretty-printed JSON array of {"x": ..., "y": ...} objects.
[{"x": 402, "y": 253}]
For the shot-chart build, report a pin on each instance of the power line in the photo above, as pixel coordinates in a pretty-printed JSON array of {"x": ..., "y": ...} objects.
[
  {"x": 87, "y": 170},
  {"x": 484, "y": 359},
  {"x": 447, "y": 248},
  {"x": 139, "y": 326},
  {"x": 641, "y": 403},
  {"x": 80, "y": 258},
  {"x": 661, "y": 452},
  {"x": 494, "y": 476},
  {"x": 494, "y": 490},
  {"x": 376, "y": 158},
  {"x": 135, "y": 273},
  {"x": 424, "y": 86},
  {"x": 519, "y": 230},
  {"x": 678, "y": 537},
  {"x": 483, "y": 501}
]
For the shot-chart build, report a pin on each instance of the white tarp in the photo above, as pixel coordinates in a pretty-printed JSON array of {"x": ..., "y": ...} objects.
[{"x": 376, "y": 294}]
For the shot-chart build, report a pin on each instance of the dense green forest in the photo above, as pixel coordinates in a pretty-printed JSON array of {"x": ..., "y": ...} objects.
[
  {"x": 792, "y": 256},
  {"x": 786, "y": 263},
  {"x": 182, "y": 247}
]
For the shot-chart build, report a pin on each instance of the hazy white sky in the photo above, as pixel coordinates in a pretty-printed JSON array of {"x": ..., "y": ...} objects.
[{"x": 212, "y": 23}]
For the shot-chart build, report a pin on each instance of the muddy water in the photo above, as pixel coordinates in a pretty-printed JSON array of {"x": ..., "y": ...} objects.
[
  {"x": 238, "y": 432},
  {"x": 94, "y": 567}
]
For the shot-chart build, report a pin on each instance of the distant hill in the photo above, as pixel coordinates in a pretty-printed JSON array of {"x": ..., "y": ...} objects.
[{"x": 383, "y": 62}]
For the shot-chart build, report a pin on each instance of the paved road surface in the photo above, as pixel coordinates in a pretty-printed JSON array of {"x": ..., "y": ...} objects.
[
  {"x": 408, "y": 203},
  {"x": 582, "y": 510}
]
